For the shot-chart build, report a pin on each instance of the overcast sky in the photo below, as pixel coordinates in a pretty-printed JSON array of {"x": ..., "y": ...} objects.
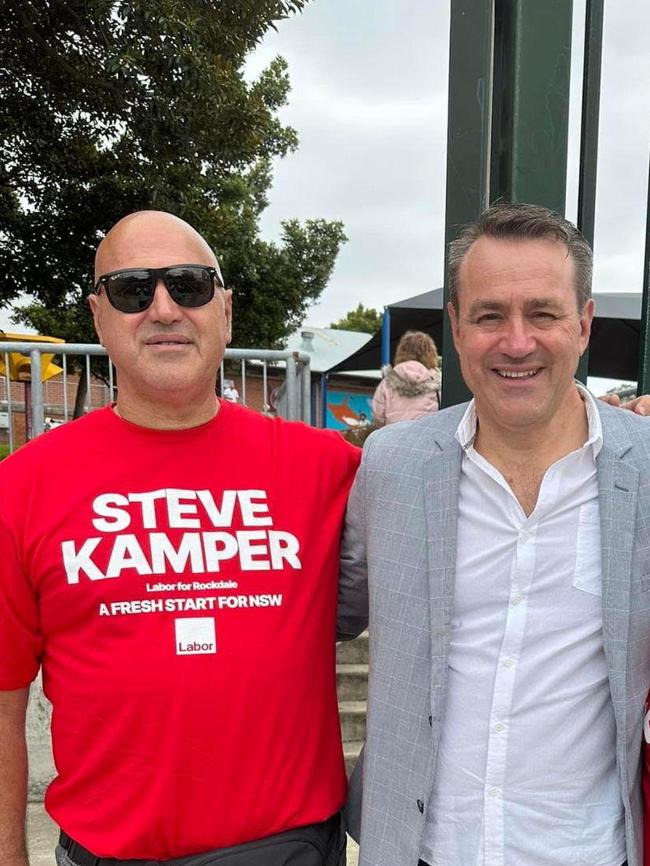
[{"x": 369, "y": 102}]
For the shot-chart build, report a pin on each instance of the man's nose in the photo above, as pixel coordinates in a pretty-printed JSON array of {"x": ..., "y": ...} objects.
[
  {"x": 517, "y": 337},
  {"x": 163, "y": 307}
]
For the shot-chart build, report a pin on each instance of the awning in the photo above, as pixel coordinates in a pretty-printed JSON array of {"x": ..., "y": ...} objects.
[{"x": 613, "y": 349}]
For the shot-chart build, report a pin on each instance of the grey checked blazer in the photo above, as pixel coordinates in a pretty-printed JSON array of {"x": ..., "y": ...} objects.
[{"x": 401, "y": 531}]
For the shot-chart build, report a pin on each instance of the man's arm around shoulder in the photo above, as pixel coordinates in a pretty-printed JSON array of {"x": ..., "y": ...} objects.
[
  {"x": 352, "y": 612},
  {"x": 13, "y": 779}
]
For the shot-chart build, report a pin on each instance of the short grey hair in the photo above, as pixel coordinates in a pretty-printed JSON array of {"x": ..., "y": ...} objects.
[{"x": 510, "y": 220}]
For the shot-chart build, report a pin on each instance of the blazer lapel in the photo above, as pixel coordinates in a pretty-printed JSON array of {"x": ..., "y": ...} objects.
[
  {"x": 617, "y": 485},
  {"x": 441, "y": 482}
]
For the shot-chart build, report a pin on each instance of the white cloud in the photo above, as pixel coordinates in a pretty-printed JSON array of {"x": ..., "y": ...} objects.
[{"x": 369, "y": 101}]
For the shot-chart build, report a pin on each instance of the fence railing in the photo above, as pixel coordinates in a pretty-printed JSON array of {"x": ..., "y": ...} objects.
[{"x": 270, "y": 381}]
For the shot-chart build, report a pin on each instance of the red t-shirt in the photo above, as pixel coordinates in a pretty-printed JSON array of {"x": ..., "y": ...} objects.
[{"x": 179, "y": 589}]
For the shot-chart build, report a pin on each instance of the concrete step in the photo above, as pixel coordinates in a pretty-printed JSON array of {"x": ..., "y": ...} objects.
[
  {"x": 352, "y": 682},
  {"x": 353, "y": 720},
  {"x": 351, "y": 752},
  {"x": 353, "y": 652}
]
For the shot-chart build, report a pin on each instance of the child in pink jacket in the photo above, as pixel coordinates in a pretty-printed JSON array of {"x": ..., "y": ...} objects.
[{"x": 411, "y": 387}]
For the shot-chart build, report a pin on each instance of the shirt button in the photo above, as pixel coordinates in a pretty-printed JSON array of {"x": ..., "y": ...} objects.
[
  {"x": 420, "y": 806},
  {"x": 499, "y": 727},
  {"x": 431, "y": 721},
  {"x": 518, "y": 598},
  {"x": 509, "y": 663},
  {"x": 493, "y": 792}
]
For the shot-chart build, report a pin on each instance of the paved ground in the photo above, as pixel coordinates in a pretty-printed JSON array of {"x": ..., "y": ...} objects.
[{"x": 42, "y": 835}]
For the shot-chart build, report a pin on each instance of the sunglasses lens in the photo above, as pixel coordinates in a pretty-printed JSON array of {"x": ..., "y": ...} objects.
[
  {"x": 190, "y": 286},
  {"x": 130, "y": 291}
]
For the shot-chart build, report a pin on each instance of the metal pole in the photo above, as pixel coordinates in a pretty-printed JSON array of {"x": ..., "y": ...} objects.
[
  {"x": 265, "y": 388},
  {"x": 89, "y": 385},
  {"x": 323, "y": 398},
  {"x": 644, "y": 350},
  {"x": 243, "y": 382},
  {"x": 292, "y": 392},
  {"x": 385, "y": 338},
  {"x": 9, "y": 404},
  {"x": 27, "y": 402},
  {"x": 314, "y": 402},
  {"x": 589, "y": 134},
  {"x": 530, "y": 87},
  {"x": 590, "y": 119},
  {"x": 468, "y": 147},
  {"x": 305, "y": 380},
  {"x": 111, "y": 384},
  {"x": 38, "y": 409},
  {"x": 65, "y": 386}
]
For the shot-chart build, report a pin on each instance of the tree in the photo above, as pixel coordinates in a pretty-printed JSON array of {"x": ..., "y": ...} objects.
[
  {"x": 111, "y": 106},
  {"x": 364, "y": 319}
]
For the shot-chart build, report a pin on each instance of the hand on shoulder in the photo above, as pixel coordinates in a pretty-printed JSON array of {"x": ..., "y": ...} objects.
[{"x": 639, "y": 405}]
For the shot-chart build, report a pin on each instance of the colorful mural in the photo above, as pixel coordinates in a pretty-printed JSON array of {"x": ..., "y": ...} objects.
[{"x": 347, "y": 411}]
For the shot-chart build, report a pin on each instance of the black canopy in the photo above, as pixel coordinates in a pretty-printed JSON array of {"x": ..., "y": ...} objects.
[{"x": 613, "y": 350}]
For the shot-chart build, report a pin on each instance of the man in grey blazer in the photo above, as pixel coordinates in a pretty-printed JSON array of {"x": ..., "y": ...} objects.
[{"x": 507, "y": 548}]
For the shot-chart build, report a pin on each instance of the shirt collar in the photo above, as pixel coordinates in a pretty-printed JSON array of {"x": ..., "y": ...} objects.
[{"x": 466, "y": 430}]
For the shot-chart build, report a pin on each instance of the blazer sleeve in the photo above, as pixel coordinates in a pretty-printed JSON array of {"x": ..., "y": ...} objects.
[{"x": 352, "y": 612}]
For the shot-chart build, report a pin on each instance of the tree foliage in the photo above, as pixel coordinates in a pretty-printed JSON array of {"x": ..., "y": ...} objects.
[
  {"x": 364, "y": 319},
  {"x": 111, "y": 106}
]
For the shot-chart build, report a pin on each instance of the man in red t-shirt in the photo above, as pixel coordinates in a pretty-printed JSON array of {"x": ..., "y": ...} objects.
[{"x": 170, "y": 562}]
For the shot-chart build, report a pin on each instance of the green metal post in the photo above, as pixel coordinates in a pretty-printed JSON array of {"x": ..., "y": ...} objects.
[
  {"x": 468, "y": 146},
  {"x": 589, "y": 133},
  {"x": 508, "y": 118},
  {"x": 531, "y": 86}
]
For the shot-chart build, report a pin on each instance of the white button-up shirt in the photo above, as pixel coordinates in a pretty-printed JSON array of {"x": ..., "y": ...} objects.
[{"x": 526, "y": 769}]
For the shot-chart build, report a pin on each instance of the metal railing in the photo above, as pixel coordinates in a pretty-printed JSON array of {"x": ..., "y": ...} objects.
[{"x": 271, "y": 381}]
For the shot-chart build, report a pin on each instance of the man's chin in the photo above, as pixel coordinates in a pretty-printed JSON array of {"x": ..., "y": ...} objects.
[
  {"x": 167, "y": 382},
  {"x": 516, "y": 411}
]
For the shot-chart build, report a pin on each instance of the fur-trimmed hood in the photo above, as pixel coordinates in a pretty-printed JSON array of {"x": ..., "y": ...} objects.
[{"x": 410, "y": 378}]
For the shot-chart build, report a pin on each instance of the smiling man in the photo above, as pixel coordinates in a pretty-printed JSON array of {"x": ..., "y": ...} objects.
[
  {"x": 507, "y": 544},
  {"x": 171, "y": 562}
]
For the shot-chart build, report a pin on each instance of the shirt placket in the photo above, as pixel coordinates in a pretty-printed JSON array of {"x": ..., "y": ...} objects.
[{"x": 504, "y": 684}]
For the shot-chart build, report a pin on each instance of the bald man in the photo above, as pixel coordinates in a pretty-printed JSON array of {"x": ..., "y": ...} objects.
[{"x": 175, "y": 578}]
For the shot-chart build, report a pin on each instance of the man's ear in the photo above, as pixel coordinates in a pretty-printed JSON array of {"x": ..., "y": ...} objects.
[
  {"x": 227, "y": 307},
  {"x": 95, "y": 310},
  {"x": 586, "y": 318},
  {"x": 453, "y": 321}
]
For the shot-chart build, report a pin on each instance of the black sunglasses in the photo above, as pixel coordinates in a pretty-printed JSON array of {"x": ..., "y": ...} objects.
[{"x": 132, "y": 290}]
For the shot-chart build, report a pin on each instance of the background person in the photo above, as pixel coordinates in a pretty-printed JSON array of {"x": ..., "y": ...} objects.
[
  {"x": 229, "y": 391},
  {"x": 162, "y": 559},
  {"x": 410, "y": 388}
]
